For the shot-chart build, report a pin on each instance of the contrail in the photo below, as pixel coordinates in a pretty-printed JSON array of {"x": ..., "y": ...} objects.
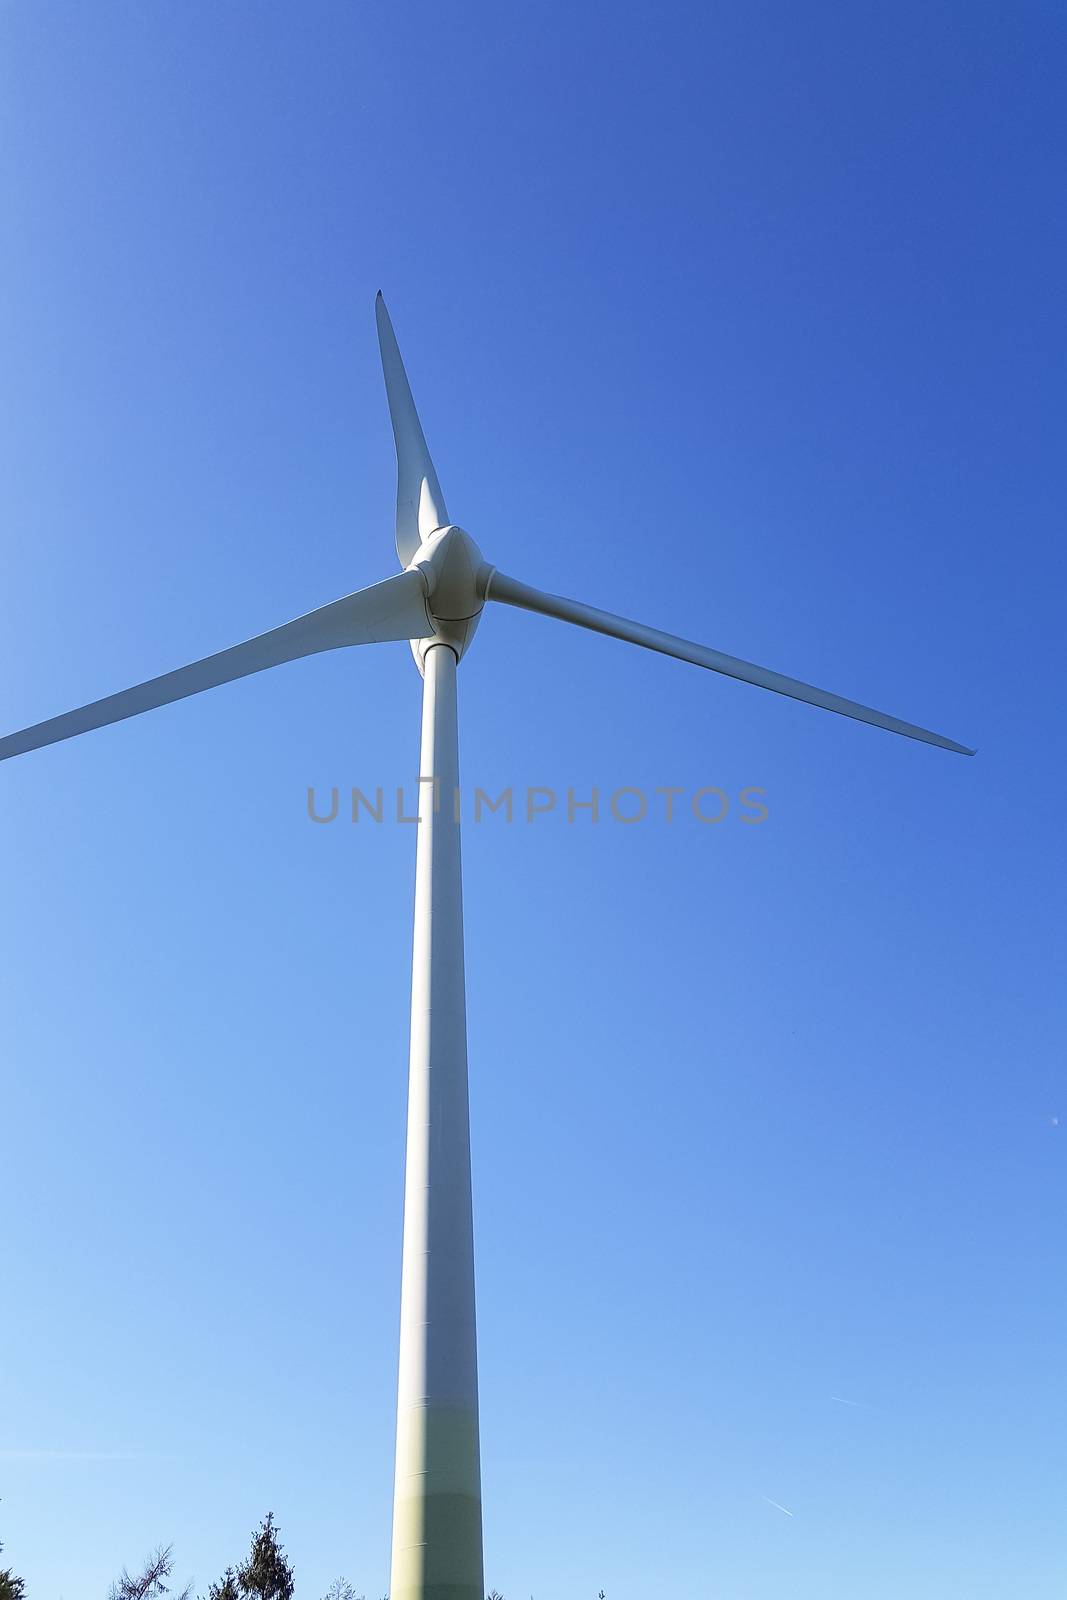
[
  {"x": 843, "y": 1402},
  {"x": 777, "y": 1507},
  {"x": 78, "y": 1455}
]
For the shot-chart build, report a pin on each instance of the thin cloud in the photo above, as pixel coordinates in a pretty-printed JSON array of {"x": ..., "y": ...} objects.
[{"x": 79, "y": 1455}]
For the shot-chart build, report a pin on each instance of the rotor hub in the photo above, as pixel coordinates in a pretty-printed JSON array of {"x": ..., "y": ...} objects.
[{"x": 455, "y": 574}]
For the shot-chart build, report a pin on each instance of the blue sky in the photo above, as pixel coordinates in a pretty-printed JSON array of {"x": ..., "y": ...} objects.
[{"x": 768, "y": 1121}]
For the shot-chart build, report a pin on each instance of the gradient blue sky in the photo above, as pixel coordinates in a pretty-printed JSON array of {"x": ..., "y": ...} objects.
[{"x": 768, "y": 1173}]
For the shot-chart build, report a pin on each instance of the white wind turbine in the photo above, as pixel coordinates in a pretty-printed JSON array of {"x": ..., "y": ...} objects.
[{"x": 436, "y": 603}]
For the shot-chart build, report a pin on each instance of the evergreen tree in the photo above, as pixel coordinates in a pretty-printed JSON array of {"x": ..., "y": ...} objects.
[
  {"x": 266, "y": 1574},
  {"x": 11, "y": 1588},
  {"x": 226, "y": 1588}
]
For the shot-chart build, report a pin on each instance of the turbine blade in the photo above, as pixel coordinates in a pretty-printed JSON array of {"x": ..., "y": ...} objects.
[
  {"x": 394, "y": 609},
  {"x": 513, "y": 593},
  {"x": 420, "y": 505}
]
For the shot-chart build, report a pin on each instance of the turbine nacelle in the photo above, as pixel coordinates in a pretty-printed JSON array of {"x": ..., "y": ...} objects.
[{"x": 456, "y": 575}]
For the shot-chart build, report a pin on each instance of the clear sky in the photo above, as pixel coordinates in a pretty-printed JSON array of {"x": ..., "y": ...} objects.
[{"x": 747, "y": 321}]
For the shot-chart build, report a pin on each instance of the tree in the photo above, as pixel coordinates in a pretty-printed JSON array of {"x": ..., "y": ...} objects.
[
  {"x": 11, "y": 1588},
  {"x": 340, "y": 1589},
  {"x": 266, "y": 1574},
  {"x": 149, "y": 1584},
  {"x": 226, "y": 1588}
]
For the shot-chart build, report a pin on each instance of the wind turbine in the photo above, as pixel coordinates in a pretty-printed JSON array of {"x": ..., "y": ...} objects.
[{"x": 436, "y": 603}]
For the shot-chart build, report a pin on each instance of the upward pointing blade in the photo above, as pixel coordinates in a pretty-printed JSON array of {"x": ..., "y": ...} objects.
[{"x": 420, "y": 505}]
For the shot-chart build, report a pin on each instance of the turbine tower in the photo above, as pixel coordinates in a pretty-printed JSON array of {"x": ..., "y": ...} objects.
[{"x": 435, "y": 602}]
